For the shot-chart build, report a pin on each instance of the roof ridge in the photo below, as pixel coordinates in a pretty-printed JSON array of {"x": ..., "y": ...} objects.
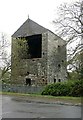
[
  {"x": 30, "y": 27},
  {"x": 38, "y": 24}
]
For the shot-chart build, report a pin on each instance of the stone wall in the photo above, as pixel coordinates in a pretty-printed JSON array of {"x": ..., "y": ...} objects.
[
  {"x": 42, "y": 70},
  {"x": 56, "y": 63},
  {"x": 22, "y": 89},
  {"x": 37, "y": 67}
]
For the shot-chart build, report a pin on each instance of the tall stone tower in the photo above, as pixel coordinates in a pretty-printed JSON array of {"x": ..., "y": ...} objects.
[{"x": 45, "y": 59}]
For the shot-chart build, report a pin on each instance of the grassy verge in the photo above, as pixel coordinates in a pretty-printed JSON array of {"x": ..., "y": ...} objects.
[{"x": 46, "y": 97}]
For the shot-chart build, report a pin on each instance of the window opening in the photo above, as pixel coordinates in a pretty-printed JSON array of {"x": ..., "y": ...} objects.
[
  {"x": 54, "y": 80},
  {"x": 59, "y": 65},
  {"x": 59, "y": 80},
  {"x": 34, "y": 46}
]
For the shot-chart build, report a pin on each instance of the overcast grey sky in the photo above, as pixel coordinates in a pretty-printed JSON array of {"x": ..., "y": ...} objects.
[{"x": 14, "y": 12}]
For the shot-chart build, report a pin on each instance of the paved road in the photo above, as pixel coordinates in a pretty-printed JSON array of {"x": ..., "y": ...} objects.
[
  {"x": 0, "y": 106},
  {"x": 20, "y": 109}
]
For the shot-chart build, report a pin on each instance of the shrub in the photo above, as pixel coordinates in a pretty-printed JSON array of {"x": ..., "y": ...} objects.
[
  {"x": 69, "y": 88},
  {"x": 77, "y": 89}
]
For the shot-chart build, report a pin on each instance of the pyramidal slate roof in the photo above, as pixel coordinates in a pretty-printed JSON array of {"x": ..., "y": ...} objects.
[{"x": 28, "y": 28}]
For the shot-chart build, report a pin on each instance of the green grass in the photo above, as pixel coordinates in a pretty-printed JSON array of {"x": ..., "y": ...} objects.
[{"x": 47, "y": 97}]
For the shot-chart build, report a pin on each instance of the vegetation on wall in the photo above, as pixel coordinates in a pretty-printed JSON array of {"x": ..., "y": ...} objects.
[{"x": 21, "y": 48}]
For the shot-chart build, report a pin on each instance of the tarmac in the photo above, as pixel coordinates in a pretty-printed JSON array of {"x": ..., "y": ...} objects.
[{"x": 16, "y": 106}]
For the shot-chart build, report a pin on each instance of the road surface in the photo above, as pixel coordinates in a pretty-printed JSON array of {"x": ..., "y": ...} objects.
[
  {"x": 0, "y": 107},
  {"x": 21, "y": 109}
]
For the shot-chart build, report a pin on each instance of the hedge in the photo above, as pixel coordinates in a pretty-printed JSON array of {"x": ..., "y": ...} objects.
[{"x": 69, "y": 88}]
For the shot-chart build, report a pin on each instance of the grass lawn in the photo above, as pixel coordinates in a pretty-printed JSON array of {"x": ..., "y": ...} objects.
[{"x": 75, "y": 100}]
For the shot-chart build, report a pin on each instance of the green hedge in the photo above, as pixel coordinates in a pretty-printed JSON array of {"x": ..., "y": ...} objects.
[{"x": 69, "y": 88}]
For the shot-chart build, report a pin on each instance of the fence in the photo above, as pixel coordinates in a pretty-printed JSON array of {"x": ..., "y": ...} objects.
[{"x": 22, "y": 89}]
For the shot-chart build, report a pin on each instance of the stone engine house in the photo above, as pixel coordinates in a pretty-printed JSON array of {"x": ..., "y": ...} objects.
[{"x": 45, "y": 59}]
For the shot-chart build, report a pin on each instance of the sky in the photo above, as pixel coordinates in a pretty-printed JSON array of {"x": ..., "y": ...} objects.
[{"x": 13, "y": 13}]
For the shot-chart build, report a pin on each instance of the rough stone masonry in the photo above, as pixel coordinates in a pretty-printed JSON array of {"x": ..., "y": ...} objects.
[{"x": 46, "y": 56}]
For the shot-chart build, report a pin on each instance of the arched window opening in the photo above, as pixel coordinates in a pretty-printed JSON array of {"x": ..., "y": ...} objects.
[{"x": 59, "y": 80}]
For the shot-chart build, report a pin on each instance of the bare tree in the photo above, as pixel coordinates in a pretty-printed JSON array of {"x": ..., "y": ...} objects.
[
  {"x": 69, "y": 26},
  {"x": 5, "y": 58}
]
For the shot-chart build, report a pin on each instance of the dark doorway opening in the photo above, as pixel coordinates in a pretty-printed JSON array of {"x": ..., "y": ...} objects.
[
  {"x": 34, "y": 46},
  {"x": 28, "y": 81}
]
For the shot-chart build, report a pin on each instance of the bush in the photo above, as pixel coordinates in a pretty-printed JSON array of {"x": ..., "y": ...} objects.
[
  {"x": 69, "y": 88},
  {"x": 77, "y": 89}
]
